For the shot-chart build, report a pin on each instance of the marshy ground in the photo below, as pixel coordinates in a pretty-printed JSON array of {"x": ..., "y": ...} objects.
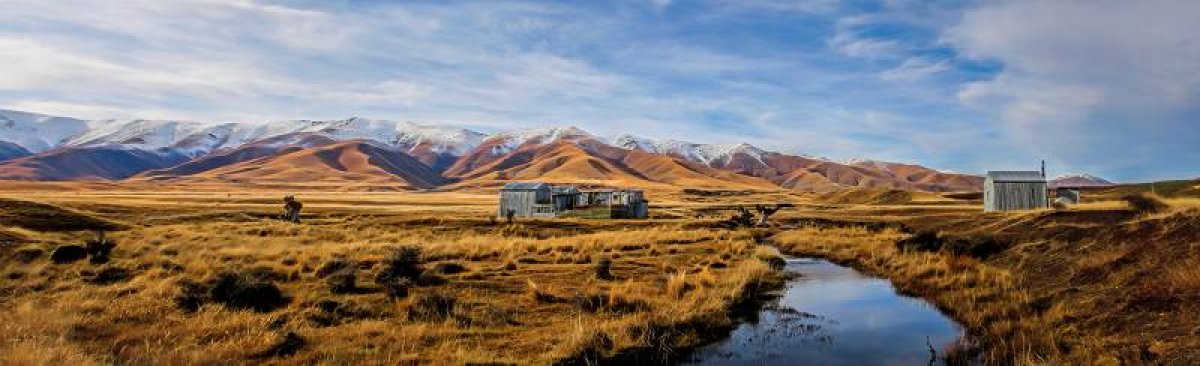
[{"x": 428, "y": 278}]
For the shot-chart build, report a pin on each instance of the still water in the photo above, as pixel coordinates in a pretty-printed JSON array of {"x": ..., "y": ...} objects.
[{"x": 833, "y": 315}]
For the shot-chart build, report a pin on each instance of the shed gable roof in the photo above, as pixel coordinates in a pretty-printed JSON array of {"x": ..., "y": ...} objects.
[
  {"x": 524, "y": 186},
  {"x": 1016, "y": 176}
]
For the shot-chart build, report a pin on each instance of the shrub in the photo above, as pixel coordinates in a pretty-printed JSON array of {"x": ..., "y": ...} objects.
[
  {"x": 432, "y": 307},
  {"x": 343, "y": 281},
  {"x": 110, "y": 275},
  {"x": 332, "y": 266},
  {"x": 430, "y": 278},
  {"x": 191, "y": 295},
  {"x": 604, "y": 268},
  {"x": 403, "y": 262},
  {"x": 923, "y": 241},
  {"x": 396, "y": 288},
  {"x": 1143, "y": 203},
  {"x": 99, "y": 249},
  {"x": 240, "y": 291},
  {"x": 981, "y": 247},
  {"x": 68, "y": 253},
  {"x": 449, "y": 268}
]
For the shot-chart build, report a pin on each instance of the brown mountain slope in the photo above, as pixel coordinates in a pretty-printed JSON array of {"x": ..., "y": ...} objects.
[
  {"x": 349, "y": 161},
  {"x": 87, "y": 163},
  {"x": 594, "y": 162},
  {"x": 266, "y": 148}
]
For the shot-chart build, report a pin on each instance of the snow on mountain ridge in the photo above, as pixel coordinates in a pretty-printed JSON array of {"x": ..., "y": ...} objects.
[{"x": 37, "y": 133}]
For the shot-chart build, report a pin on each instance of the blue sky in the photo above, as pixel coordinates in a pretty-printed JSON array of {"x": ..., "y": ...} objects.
[{"x": 1107, "y": 87}]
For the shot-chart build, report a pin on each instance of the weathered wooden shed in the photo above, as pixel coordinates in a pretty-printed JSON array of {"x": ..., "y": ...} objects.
[
  {"x": 526, "y": 199},
  {"x": 1014, "y": 190}
]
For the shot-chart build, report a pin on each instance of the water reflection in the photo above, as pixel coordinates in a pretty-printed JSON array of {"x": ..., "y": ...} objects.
[{"x": 833, "y": 315}]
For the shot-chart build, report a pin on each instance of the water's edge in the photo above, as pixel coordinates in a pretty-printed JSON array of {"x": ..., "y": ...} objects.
[{"x": 832, "y": 314}]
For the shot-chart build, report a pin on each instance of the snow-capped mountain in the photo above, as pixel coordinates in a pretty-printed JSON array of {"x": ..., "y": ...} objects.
[
  {"x": 37, "y": 133},
  {"x": 505, "y": 142},
  {"x": 41, "y": 147},
  {"x": 708, "y": 154},
  {"x": 1079, "y": 180}
]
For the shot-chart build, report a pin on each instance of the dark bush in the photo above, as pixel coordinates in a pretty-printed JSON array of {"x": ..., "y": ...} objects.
[
  {"x": 432, "y": 307},
  {"x": 343, "y": 282},
  {"x": 604, "y": 268},
  {"x": 981, "y": 247},
  {"x": 240, "y": 291},
  {"x": 403, "y": 262},
  {"x": 110, "y": 275},
  {"x": 191, "y": 295},
  {"x": 449, "y": 268},
  {"x": 99, "y": 249},
  {"x": 332, "y": 266},
  {"x": 430, "y": 278},
  {"x": 1142, "y": 203},
  {"x": 923, "y": 241},
  {"x": 396, "y": 288},
  {"x": 68, "y": 253}
]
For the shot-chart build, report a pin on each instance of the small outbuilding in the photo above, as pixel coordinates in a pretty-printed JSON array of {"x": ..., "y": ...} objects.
[
  {"x": 1014, "y": 190},
  {"x": 536, "y": 199}
]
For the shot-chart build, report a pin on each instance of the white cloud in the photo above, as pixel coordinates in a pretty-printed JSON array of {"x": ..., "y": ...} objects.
[
  {"x": 915, "y": 68},
  {"x": 1079, "y": 77}
]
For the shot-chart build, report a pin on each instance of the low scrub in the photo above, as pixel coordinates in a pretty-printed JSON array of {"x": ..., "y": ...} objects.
[
  {"x": 235, "y": 290},
  {"x": 1144, "y": 203}
]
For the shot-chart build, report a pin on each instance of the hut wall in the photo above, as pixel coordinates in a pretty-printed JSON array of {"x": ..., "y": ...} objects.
[
  {"x": 526, "y": 203},
  {"x": 1006, "y": 196}
]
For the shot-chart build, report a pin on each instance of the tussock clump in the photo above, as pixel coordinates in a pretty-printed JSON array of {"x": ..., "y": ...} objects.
[
  {"x": 329, "y": 313},
  {"x": 191, "y": 295},
  {"x": 333, "y": 266},
  {"x": 64, "y": 254},
  {"x": 241, "y": 291},
  {"x": 432, "y": 307},
  {"x": 678, "y": 286},
  {"x": 430, "y": 278},
  {"x": 540, "y": 295},
  {"x": 610, "y": 302},
  {"x": 770, "y": 256},
  {"x": 28, "y": 254},
  {"x": 923, "y": 241},
  {"x": 604, "y": 268},
  {"x": 288, "y": 345},
  {"x": 1144, "y": 203},
  {"x": 449, "y": 268},
  {"x": 979, "y": 246},
  {"x": 403, "y": 262},
  {"x": 343, "y": 282},
  {"x": 109, "y": 275},
  {"x": 99, "y": 249},
  {"x": 396, "y": 288}
]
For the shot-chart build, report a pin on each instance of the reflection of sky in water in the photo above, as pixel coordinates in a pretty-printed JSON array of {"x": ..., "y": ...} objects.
[{"x": 836, "y": 316}]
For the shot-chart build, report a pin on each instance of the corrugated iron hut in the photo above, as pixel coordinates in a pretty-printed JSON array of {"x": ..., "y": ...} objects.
[
  {"x": 536, "y": 199},
  {"x": 1014, "y": 190},
  {"x": 526, "y": 199}
]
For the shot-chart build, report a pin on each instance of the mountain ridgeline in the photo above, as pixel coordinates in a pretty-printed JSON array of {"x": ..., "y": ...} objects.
[{"x": 407, "y": 155}]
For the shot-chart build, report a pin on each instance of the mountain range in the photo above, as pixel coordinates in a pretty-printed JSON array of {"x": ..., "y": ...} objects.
[{"x": 408, "y": 155}]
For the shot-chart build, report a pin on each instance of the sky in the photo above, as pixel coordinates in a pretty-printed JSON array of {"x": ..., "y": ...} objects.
[{"x": 1105, "y": 87}]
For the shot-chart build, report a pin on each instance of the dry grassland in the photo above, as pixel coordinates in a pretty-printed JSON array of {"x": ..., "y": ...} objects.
[{"x": 530, "y": 292}]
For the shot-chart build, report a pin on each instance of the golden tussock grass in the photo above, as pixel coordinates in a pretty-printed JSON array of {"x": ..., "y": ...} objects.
[{"x": 524, "y": 293}]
